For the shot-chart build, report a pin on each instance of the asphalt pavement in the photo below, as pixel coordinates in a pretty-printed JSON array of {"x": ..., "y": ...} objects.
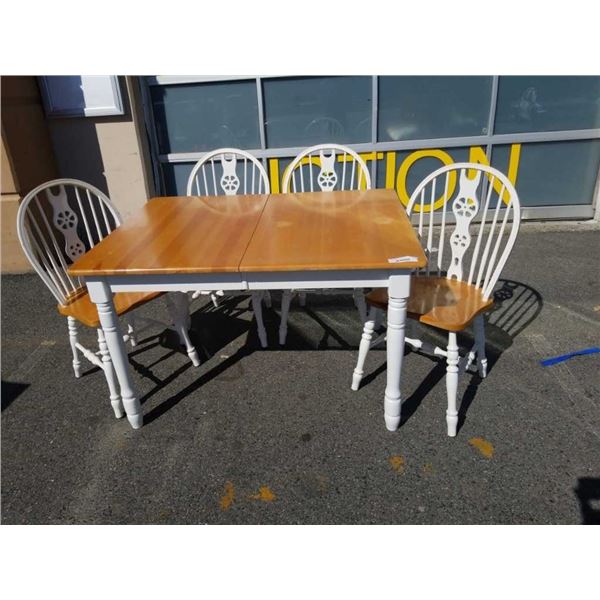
[{"x": 277, "y": 436}]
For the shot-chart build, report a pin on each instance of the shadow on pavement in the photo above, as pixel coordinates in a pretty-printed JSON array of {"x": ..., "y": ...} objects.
[
  {"x": 588, "y": 493},
  {"x": 516, "y": 306},
  {"x": 215, "y": 327},
  {"x": 11, "y": 391}
]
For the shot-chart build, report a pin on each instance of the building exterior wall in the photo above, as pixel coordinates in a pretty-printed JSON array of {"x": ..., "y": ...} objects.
[
  {"x": 27, "y": 160},
  {"x": 103, "y": 151},
  {"x": 108, "y": 152}
]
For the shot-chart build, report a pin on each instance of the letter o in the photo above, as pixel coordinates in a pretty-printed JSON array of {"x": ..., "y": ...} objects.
[{"x": 408, "y": 162}]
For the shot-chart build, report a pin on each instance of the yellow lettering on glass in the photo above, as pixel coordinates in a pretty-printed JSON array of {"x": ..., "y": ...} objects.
[
  {"x": 513, "y": 163},
  {"x": 477, "y": 155},
  {"x": 315, "y": 160},
  {"x": 390, "y": 170},
  {"x": 274, "y": 175},
  {"x": 408, "y": 162}
]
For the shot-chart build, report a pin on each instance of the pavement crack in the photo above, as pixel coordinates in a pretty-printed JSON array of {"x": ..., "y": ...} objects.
[{"x": 44, "y": 348}]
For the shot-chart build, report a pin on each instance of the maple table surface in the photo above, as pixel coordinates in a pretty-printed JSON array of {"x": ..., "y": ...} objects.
[
  {"x": 341, "y": 230},
  {"x": 279, "y": 232},
  {"x": 178, "y": 234}
]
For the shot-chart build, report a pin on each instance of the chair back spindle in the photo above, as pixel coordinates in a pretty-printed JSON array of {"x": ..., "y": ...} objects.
[
  {"x": 328, "y": 166},
  {"x": 227, "y": 171}
]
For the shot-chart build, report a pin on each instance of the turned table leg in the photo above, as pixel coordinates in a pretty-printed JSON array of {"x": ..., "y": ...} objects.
[
  {"x": 101, "y": 295},
  {"x": 398, "y": 292}
]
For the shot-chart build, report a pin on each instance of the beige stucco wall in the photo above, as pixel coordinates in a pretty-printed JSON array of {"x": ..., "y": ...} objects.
[
  {"x": 7, "y": 178},
  {"x": 13, "y": 259},
  {"x": 104, "y": 151},
  {"x": 26, "y": 159},
  {"x": 108, "y": 152}
]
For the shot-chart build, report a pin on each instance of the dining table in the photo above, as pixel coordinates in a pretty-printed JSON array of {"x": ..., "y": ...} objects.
[{"x": 308, "y": 240}]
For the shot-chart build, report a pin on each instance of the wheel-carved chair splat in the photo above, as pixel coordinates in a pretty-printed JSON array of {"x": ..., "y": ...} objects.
[
  {"x": 327, "y": 177},
  {"x": 230, "y": 182},
  {"x": 465, "y": 207},
  {"x": 66, "y": 221}
]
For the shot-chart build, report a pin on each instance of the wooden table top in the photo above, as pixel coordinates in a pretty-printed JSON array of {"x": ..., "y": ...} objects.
[
  {"x": 178, "y": 234},
  {"x": 280, "y": 232},
  {"x": 317, "y": 231}
]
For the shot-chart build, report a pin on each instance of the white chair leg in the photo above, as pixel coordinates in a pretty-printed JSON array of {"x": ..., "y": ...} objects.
[
  {"x": 302, "y": 298},
  {"x": 72, "y": 325},
  {"x": 363, "y": 349},
  {"x": 267, "y": 298},
  {"x": 111, "y": 376},
  {"x": 286, "y": 299},
  {"x": 260, "y": 326},
  {"x": 361, "y": 304},
  {"x": 181, "y": 329},
  {"x": 470, "y": 358},
  {"x": 452, "y": 383},
  {"x": 479, "y": 329},
  {"x": 130, "y": 320}
]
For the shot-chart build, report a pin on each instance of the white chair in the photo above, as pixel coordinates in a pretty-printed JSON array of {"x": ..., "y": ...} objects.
[
  {"x": 55, "y": 228},
  {"x": 330, "y": 167},
  {"x": 453, "y": 293},
  {"x": 231, "y": 171}
]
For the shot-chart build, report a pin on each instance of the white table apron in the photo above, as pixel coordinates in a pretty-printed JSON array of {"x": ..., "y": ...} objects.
[{"x": 101, "y": 289}]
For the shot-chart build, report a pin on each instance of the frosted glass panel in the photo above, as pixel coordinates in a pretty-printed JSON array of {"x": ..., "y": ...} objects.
[
  {"x": 554, "y": 173},
  {"x": 206, "y": 116},
  {"x": 413, "y": 108},
  {"x": 303, "y": 111},
  {"x": 547, "y": 103}
]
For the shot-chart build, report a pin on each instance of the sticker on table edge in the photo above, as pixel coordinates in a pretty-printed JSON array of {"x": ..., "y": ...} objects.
[{"x": 401, "y": 259}]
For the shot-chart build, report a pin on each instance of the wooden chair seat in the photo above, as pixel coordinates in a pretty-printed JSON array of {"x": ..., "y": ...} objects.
[
  {"x": 84, "y": 310},
  {"x": 447, "y": 304}
]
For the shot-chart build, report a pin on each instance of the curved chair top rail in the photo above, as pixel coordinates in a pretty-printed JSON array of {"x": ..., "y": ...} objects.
[
  {"x": 334, "y": 170},
  {"x": 235, "y": 166},
  {"x": 56, "y": 228},
  {"x": 491, "y": 200}
]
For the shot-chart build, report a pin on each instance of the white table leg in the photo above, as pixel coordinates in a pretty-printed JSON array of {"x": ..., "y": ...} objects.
[
  {"x": 101, "y": 295},
  {"x": 179, "y": 318},
  {"x": 257, "y": 298},
  {"x": 399, "y": 288},
  {"x": 111, "y": 377},
  {"x": 363, "y": 348},
  {"x": 286, "y": 300}
]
